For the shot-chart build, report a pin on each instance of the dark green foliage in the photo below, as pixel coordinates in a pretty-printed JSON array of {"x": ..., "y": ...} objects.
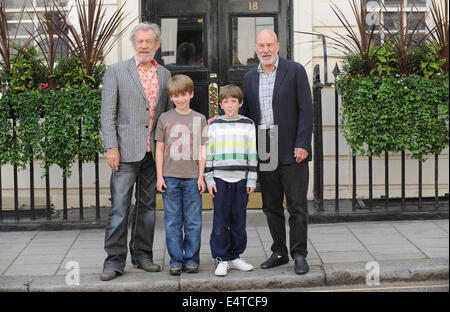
[
  {"x": 71, "y": 71},
  {"x": 27, "y": 70},
  {"x": 5, "y": 131},
  {"x": 48, "y": 125},
  {"x": 395, "y": 114}
]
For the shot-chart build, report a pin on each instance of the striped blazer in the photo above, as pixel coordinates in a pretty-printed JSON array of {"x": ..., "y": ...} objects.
[{"x": 125, "y": 113}]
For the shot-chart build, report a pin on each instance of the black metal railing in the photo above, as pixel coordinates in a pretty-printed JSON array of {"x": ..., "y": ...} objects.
[
  {"x": 386, "y": 202},
  {"x": 94, "y": 214},
  {"x": 48, "y": 213}
]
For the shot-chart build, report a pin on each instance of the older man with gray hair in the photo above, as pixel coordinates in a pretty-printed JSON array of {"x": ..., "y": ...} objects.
[{"x": 133, "y": 97}]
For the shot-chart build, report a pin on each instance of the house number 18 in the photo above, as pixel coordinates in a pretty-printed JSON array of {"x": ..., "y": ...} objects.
[{"x": 253, "y": 5}]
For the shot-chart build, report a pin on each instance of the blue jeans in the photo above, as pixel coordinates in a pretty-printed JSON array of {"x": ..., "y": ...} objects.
[
  {"x": 143, "y": 174},
  {"x": 182, "y": 207}
]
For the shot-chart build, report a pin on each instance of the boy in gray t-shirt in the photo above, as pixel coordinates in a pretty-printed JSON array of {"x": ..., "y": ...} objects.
[{"x": 180, "y": 165}]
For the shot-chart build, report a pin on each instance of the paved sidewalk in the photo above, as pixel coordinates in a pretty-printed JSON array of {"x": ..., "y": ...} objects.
[{"x": 338, "y": 254}]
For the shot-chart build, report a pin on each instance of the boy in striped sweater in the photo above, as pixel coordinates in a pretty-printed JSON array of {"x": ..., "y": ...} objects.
[{"x": 230, "y": 174}]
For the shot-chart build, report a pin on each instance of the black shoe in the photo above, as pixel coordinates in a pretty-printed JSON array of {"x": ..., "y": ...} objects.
[
  {"x": 148, "y": 265},
  {"x": 274, "y": 260},
  {"x": 175, "y": 270},
  {"x": 300, "y": 265},
  {"x": 108, "y": 275}
]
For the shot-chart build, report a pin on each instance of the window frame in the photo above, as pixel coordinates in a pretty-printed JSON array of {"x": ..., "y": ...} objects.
[
  {"x": 26, "y": 18},
  {"x": 424, "y": 9}
]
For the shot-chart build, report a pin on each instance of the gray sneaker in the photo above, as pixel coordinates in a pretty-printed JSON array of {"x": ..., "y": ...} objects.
[
  {"x": 108, "y": 275},
  {"x": 148, "y": 265}
]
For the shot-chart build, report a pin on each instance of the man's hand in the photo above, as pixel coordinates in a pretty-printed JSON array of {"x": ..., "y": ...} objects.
[
  {"x": 160, "y": 183},
  {"x": 250, "y": 190},
  {"x": 201, "y": 184},
  {"x": 300, "y": 154},
  {"x": 113, "y": 158},
  {"x": 212, "y": 190}
]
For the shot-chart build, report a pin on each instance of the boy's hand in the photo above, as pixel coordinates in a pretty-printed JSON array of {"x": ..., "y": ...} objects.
[
  {"x": 212, "y": 190},
  {"x": 201, "y": 184},
  {"x": 160, "y": 183},
  {"x": 250, "y": 190},
  {"x": 212, "y": 119}
]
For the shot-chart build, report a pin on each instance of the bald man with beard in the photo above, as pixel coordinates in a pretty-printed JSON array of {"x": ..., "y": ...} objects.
[{"x": 277, "y": 93}]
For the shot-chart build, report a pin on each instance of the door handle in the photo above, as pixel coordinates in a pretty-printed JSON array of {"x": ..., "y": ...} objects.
[
  {"x": 213, "y": 99},
  {"x": 213, "y": 75}
]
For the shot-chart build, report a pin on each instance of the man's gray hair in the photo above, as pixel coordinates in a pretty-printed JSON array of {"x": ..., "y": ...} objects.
[{"x": 146, "y": 26}]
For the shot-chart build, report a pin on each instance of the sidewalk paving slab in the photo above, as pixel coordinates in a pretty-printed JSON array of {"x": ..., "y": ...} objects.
[{"x": 338, "y": 255}]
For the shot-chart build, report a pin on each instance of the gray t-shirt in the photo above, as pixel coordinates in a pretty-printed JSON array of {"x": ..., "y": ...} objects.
[{"x": 182, "y": 137}]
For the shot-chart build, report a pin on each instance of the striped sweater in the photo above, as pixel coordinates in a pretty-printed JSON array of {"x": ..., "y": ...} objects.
[{"x": 231, "y": 151}]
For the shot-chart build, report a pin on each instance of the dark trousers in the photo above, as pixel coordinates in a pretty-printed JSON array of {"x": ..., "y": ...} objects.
[
  {"x": 292, "y": 181},
  {"x": 229, "y": 236},
  {"x": 143, "y": 174}
]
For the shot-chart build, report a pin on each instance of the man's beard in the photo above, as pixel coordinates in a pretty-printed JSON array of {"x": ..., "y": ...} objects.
[
  {"x": 269, "y": 62},
  {"x": 144, "y": 60}
]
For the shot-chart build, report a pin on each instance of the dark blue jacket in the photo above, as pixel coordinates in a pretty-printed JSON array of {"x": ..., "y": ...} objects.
[{"x": 292, "y": 107}]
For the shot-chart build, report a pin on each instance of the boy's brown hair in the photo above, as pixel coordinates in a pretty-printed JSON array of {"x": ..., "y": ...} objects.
[
  {"x": 180, "y": 84},
  {"x": 230, "y": 90}
]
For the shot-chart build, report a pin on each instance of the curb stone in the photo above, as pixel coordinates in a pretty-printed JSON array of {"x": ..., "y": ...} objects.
[
  {"x": 280, "y": 277},
  {"x": 390, "y": 271}
]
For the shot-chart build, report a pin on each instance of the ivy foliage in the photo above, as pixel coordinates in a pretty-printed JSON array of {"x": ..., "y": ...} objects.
[
  {"x": 48, "y": 127},
  {"x": 387, "y": 110},
  {"x": 70, "y": 71},
  {"x": 55, "y": 126},
  {"x": 6, "y": 131},
  {"x": 69, "y": 112},
  {"x": 396, "y": 114},
  {"x": 27, "y": 69}
]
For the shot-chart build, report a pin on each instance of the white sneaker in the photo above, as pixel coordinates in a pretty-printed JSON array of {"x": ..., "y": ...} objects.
[
  {"x": 222, "y": 268},
  {"x": 240, "y": 264}
]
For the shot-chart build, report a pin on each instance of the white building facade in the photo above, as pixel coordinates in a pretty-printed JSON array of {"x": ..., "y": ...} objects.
[{"x": 223, "y": 34}]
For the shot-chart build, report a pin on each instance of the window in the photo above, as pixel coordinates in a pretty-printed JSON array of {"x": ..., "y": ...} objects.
[
  {"x": 29, "y": 20},
  {"x": 414, "y": 10},
  {"x": 182, "y": 41},
  {"x": 244, "y": 31}
]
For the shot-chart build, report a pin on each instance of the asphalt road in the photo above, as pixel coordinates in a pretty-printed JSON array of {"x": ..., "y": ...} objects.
[{"x": 427, "y": 286}]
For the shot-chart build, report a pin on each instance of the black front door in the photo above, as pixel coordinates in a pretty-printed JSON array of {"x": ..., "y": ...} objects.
[{"x": 212, "y": 41}]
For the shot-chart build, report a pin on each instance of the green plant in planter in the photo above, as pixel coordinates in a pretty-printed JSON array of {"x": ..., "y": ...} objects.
[
  {"x": 66, "y": 111},
  {"x": 88, "y": 104},
  {"x": 353, "y": 66},
  {"x": 386, "y": 60},
  {"x": 25, "y": 77},
  {"x": 60, "y": 129},
  {"x": 425, "y": 60},
  {"x": 6, "y": 129},
  {"x": 27, "y": 107},
  {"x": 71, "y": 71},
  {"x": 359, "y": 113},
  {"x": 27, "y": 69},
  {"x": 431, "y": 65},
  {"x": 395, "y": 114}
]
